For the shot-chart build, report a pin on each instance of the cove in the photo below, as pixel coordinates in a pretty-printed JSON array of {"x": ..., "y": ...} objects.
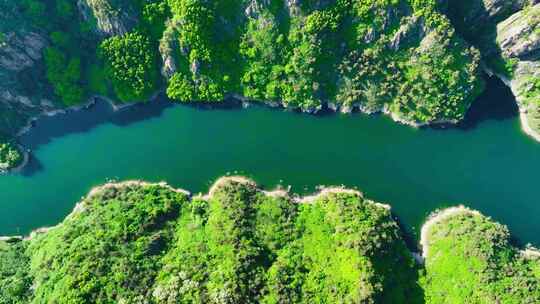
[{"x": 487, "y": 164}]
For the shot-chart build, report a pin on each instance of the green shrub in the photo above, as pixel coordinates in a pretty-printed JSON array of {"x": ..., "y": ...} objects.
[
  {"x": 65, "y": 76},
  {"x": 10, "y": 156}
]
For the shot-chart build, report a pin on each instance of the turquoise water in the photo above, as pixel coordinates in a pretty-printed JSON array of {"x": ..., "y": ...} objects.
[{"x": 489, "y": 165}]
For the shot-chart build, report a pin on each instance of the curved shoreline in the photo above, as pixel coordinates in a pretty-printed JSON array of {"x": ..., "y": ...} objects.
[
  {"x": 525, "y": 126},
  {"x": 436, "y": 217},
  {"x": 84, "y": 106},
  {"x": 524, "y": 120},
  {"x": 384, "y": 110},
  {"x": 80, "y": 206}
]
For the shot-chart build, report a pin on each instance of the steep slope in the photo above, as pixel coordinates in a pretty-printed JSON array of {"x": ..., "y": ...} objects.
[
  {"x": 21, "y": 58},
  {"x": 49, "y": 60},
  {"x": 469, "y": 259},
  {"x": 109, "y": 17},
  {"x": 401, "y": 57},
  {"x": 518, "y": 37},
  {"x": 135, "y": 243}
]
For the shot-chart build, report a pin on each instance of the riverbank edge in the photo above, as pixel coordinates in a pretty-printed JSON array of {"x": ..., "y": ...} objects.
[
  {"x": 91, "y": 101},
  {"x": 278, "y": 192},
  {"x": 526, "y": 127},
  {"x": 322, "y": 191},
  {"x": 438, "y": 216},
  {"x": 115, "y": 106}
]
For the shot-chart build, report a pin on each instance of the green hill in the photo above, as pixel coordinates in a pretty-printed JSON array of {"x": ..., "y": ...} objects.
[{"x": 148, "y": 243}]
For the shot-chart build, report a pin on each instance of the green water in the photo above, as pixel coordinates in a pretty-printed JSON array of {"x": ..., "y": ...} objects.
[{"x": 491, "y": 166}]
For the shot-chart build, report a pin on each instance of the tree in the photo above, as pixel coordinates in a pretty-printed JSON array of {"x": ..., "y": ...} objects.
[{"x": 130, "y": 65}]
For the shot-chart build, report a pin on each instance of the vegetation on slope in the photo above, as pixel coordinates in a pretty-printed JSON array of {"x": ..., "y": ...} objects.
[
  {"x": 142, "y": 243},
  {"x": 131, "y": 65},
  {"x": 507, "y": 33},
  {"x": 72, "y": 48},
  {"x": 14, "y": 279},
  {"x": 402, "y": 55},
  {"x": 470, "y": 260},
  {"x": 135, "y": 243},
  {"x": 399, "y": 55}
]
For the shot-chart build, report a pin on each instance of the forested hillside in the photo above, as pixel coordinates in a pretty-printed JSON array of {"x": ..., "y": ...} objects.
[
  {"x": 148, "y": 243},
  {"x": 401, "y": 57},
  {"x": 397, "y": 56}
]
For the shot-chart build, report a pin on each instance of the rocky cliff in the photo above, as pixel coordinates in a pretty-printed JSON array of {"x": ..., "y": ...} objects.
[
  {"x": 508, "y": 34},
  {"x": 401, "y": 57},
  {"x": 21, "y": 94},
  {"x": 110, "y": 17},
  {"x": 518, "y": 38},
  {"x": 25, "y": 91}
]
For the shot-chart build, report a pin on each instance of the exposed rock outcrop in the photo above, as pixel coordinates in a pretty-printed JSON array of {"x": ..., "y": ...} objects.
[
  {"x": 111, "y": 17},
  {"x": 475, "y": 16},
  {"x": 508, "y": 35},
  {"x": 409, "y": 32},
  {"x": 518, "y": 39},
  {"x": 519, "y": 35},
  {"x": 22, "y": 93},
  {"x": 167, "y": 45}
]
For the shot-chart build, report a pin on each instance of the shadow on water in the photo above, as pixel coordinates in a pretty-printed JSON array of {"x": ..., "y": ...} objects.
[
  {"x": 45, "y": 129},
  {"x": 496, "y": 103},
  {"x": 34, "y": 165},
  {"x": 49, "y": 127}
]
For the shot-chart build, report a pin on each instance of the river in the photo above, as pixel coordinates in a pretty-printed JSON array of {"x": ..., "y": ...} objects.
[{"x": 488, "y": 163}]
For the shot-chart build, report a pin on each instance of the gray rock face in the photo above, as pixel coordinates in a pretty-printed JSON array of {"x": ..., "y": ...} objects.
[
  {"x": 23, "y": 90},
  {"x": 409, "y": 32},
  {"x": 20, "y": 50},
  {"x": 254, "y": 7},
  {"x": 111, "y": 17},
  {"x": 519, "y": 35},
  {"x": 518, "y": 40},
  {"x": 293, "y": 7},
  {"x": 479, "y": 13}
]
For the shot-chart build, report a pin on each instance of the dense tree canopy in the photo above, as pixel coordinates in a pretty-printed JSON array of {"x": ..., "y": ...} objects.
[
  {"x": 470, "y": 260},
  {"x": 131, "y": 64},
  {"x": 143, "y": 243},
  {"x": 396, "y": 55},
  {"x": 369, "y": 53}
]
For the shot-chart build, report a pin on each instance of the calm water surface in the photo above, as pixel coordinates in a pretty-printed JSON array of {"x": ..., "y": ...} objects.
[{"x": 490, "y": 165}]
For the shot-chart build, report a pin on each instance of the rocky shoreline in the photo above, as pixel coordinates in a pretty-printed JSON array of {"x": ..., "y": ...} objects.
[
  {"x": 525, "y": 126},
  {"x": 424, "y": 241},
  {"x": 244, "y": 102},
  {"x": 80, "y": 206},
  {"x": 435, "y": 218}
]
